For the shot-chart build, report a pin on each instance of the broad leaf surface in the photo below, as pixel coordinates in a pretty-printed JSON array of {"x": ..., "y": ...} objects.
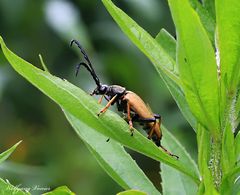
[
  {"x": 197, "y": 65},
  {"x": 113, "y": 158}
]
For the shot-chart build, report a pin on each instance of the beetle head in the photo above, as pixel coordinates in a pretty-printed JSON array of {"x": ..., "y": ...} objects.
[{"x": 100, "y": 90}]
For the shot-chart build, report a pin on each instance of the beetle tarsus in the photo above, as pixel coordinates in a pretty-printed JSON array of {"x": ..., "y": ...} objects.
[{"x": 169, "y": 153}]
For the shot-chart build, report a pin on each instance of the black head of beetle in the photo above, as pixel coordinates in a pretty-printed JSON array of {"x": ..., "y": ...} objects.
[{"x": 101, "y": 89}]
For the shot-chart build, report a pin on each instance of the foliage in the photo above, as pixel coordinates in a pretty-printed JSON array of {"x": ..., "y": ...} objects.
[{"x": 204, "y": 85}]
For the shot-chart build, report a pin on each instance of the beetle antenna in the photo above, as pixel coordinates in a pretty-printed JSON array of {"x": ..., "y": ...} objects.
[{"x": 88, "y": 66}]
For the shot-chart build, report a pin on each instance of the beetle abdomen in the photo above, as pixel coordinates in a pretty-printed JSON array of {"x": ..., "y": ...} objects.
[{"x": 137, "y": 105}]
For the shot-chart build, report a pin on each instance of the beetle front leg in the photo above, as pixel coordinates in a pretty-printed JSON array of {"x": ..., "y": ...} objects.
[
  {"x": 100, "y": 99},
  {"x": 107, "y": 106}
]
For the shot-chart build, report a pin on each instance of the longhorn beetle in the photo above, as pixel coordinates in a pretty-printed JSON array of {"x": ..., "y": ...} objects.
[{"x": 127, "y": 102}]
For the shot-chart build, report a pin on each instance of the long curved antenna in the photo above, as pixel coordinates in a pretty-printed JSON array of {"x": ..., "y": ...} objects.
[{"x": 88, "y": 66}]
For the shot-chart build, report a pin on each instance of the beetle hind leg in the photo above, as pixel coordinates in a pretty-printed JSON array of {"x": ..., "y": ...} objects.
[{"x": 169, "y": 153}]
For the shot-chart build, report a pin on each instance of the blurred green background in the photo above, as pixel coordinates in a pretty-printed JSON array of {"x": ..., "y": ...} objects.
[{"x": 51, "y": 154}]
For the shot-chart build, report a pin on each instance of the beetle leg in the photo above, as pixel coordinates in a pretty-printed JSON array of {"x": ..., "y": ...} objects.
[
  {"x": 169, "y": 153},
  {"x": 100, "y": 99},
  {"x": 151, "y": 131},
  {"x": 129, "y": 118},
  {"x": 107, "y": 106}
]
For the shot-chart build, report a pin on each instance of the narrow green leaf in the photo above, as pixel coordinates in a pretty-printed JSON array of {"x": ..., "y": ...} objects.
[
  {"x": 146, "y": 43},
  {"x": 203, "y": 139},
  {"x": 131, "y": 192},
  {"x": 237, "y": 147},
  {"x": 206, "y": 17},
  {"x": 168, "y": 43},
  {"x": 228, "y": 28},
  {"x": 84, "y": 107},
  {"x": 176, "y": 183},
  {"x": 201, "y": 189},
  {"x": 209, "y": 5},
  {"x": 63, "y": 190},
  {"x": 227, "y": 186},
  {"x": 197, "y": 66},
  {"x": 7, "y": 153},
  {"x": 228, "y": 152},
  {"x": 7, "y": 188},
  {"x": 166, "y": 40},
  {"x": 120, "y": 166},
  {"x": 180, "y": 99},
  {"x": 171, "y": 177}
]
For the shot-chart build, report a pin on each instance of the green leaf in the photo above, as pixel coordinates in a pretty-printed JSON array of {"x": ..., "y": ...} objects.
[
  {"x": 197, "y": 66},
  {"x": 206, "y": 17},
  {"x": 168, "y": 43},
  {"x": 228, "y": 152},
  {"x": 171, "y": 177},
  {"x": 85, "y": 108},
  {"x": 176, "y": 183},
  {"x": 228, "y": 181},
  {"x": 237, "y": 147},
  {"x": 146, "y": 43},
  {"x": 131, "y": 192},
  {"x": 228, "y": 28},
  {"x": 120, "y": 166},
  {"x": 203, "y": 139},
  {"x": 209, "y": 5},
  {"x": 7, "y": 188},
  {"x": 7, "y": 153},
  {"x": 63, "y": 190}
]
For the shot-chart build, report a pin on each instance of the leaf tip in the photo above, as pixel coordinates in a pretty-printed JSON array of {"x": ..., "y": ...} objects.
[
  {"x": 1, "y": 40},
  {"x": 16, "y": 145}
]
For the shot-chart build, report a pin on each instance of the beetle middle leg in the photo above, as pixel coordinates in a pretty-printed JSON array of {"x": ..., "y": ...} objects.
[
  {"x": 107, "y": 106},
  {"x": 129, "y": 118}
]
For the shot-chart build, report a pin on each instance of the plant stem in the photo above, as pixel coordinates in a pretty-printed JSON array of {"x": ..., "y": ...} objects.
[{"x": 215, "y": 166}]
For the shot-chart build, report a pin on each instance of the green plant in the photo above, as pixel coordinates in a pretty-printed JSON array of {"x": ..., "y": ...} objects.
[{"x": 204, "y": 83}]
